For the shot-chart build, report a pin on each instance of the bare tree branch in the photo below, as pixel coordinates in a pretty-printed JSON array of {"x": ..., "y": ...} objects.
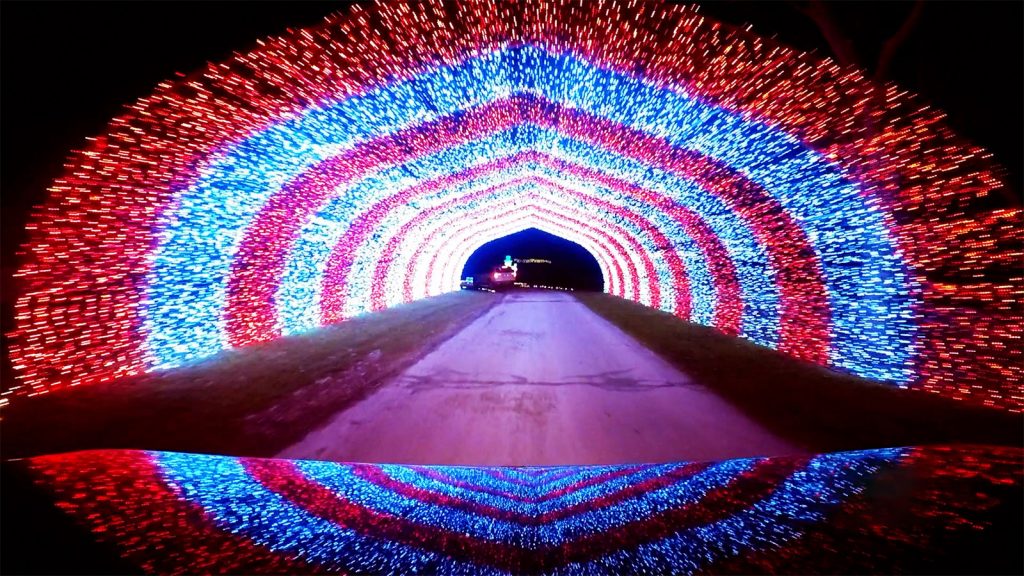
[
  {"x": 898, "y": 38},
  {"x": 840, "y": 43}
]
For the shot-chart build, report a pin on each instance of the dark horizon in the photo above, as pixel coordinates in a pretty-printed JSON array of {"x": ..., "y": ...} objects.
[{"x": 572, "y": 266}]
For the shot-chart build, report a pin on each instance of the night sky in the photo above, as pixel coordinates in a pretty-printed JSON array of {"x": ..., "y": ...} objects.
[
  {"x": 67, "y": 68},
  {"x": 571, "y": 265}
]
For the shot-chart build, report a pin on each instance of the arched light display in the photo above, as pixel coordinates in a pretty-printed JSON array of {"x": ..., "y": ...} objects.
[{"x": 350, "y": 166}]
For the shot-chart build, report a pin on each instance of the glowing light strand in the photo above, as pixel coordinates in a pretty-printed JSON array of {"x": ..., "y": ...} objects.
[{"x": 917, "y": 285}]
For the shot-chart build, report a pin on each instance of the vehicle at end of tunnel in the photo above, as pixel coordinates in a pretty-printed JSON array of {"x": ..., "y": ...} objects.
[{"x": 497, "y": 278}]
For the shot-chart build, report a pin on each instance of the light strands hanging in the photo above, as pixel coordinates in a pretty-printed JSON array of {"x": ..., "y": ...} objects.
[{"x": 749, "y": 187}]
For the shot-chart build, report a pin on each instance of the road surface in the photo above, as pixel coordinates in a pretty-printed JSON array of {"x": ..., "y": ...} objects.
[{"x": 539, "y": 380}]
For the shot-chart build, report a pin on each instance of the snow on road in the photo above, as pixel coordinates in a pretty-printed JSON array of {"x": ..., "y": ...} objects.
[{"x": 539, "y": 380}]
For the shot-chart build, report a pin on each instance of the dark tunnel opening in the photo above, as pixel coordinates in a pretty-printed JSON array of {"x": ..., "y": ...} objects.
[{"x": 542, "y": 259}]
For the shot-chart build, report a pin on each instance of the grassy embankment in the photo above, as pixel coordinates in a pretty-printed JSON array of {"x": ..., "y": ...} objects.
[
  {"x": 251, "y": 401},
  {"x": 814, "y": 407}
]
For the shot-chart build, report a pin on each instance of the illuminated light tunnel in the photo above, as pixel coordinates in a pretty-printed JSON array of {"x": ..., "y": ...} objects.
[{"x": 353, "y": 165}]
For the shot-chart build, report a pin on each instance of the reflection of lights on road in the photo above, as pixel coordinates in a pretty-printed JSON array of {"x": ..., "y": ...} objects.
[{"x": 817, "y": 514}]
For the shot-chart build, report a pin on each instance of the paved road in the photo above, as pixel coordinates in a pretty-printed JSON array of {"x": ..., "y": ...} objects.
[{"x": 539, "y": 380}]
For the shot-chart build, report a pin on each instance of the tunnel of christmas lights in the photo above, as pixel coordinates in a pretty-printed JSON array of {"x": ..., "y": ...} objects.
[{"x": 355, "y": 165}]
